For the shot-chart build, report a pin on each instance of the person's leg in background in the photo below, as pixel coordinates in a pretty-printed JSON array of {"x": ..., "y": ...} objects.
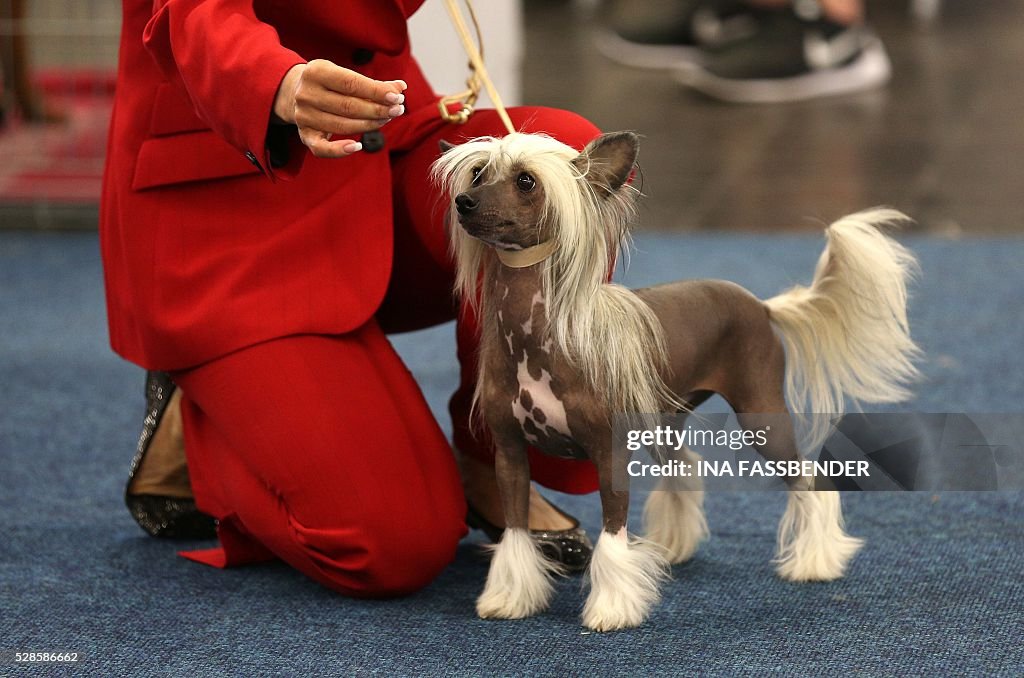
[
  {"x": 662, "y": 34},
  {"x": 423, "y": 271},
  {"x": 752, "y": 51},
  {"x": 320, "y": 450}
]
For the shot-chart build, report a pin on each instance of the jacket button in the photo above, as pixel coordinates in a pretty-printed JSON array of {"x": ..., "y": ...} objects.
[
  {"x": 362, "y": 56},
  {"x": 372, "y": 141}
]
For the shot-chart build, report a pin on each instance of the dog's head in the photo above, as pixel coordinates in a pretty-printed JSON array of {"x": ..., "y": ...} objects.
[{"x": 508, "y": 192}]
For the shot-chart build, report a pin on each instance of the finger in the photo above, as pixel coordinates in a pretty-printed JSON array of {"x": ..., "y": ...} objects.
[
  {"x": 321, "y": 146},
  {"x": 336, "y": 124},
  {"x": 348, "y": 82},
  {"x": 320, "y": 99}
]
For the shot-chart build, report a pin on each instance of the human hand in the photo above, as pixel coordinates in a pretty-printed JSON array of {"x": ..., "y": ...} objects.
[{"x": 323, "y": 99}]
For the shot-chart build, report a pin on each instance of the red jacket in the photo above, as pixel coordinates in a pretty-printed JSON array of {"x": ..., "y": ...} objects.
[{"x": 207, "y": 246}]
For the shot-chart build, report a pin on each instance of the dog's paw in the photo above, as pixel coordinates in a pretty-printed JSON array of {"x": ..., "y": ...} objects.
[
  {"x": 504, "y": 604},
  {"x": 611, "y": 613},
  {"x": 519, "y": 583},
  {"x": 625, "y": 577},
  {"x": 819, "y": 562},
  {"x": 812, "y": 544}
]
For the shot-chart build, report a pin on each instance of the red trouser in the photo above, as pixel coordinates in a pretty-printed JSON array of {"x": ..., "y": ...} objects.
[{"x": 321, "y": 450}]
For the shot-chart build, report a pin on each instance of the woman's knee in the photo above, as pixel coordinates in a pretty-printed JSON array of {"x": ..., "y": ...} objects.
[
  {"x": 388, "y": 558},
  {"x": 407, "y": 562}
]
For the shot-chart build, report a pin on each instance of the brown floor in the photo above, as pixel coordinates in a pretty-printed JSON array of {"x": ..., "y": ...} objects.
[{"x": 943, "y": 142}]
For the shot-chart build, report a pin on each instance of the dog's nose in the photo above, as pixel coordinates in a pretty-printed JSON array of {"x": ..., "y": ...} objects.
[{"x": 465, "y": 203}]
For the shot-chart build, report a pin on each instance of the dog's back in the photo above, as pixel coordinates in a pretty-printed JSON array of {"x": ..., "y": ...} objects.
[{"x": 715, "y": 330}]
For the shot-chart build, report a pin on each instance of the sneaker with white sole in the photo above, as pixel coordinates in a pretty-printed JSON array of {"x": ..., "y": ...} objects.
[
  {"x": 794, "y": 56},
  {"x": 664, "y": 34}
]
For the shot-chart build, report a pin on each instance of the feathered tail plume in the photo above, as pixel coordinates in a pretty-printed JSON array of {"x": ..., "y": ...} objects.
[{"x": 847, "y": 334}]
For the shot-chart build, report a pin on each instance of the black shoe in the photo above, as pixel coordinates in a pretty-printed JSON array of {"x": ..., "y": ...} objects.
[
  {"x": 669, "y": 33},
  {"x": 570, "y": 547},
  {"x": 796, "y": 54},
  {"x": 171, "y": 517}
]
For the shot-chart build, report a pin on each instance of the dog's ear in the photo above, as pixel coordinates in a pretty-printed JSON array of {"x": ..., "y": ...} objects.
[
  {"x": 445, "y": 146},
  {"x": 608, "y": 160}
]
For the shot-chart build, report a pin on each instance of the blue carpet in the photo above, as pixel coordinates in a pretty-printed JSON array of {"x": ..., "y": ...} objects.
[{"x": 938, "y": 590}]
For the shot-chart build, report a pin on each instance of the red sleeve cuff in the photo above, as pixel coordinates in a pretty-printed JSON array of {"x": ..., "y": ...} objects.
[{"x": 277, "y": 149}]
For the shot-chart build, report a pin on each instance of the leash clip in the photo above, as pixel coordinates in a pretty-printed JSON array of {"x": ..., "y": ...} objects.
[{"x": 465, "y": 100}]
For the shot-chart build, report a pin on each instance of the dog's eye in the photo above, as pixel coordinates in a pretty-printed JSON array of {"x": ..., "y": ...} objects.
[
  {"x": 478, "y": 175},
  {"x": 525, "y": 182}
]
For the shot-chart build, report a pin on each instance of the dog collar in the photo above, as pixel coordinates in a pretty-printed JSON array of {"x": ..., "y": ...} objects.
[{"x": 527, "y": 257}]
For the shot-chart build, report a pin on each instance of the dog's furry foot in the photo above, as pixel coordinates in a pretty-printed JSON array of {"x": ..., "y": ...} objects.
[
  {"x": 674, "y": 514},
  {"x": 812, "y": 545},
  {"x": 519, "y": 580},
  {"x": 624, "y": 578},
  {"x": 675, "y": 521}
]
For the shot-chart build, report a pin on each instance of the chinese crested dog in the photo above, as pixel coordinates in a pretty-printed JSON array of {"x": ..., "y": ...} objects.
[{"x": 562, "y": 351}]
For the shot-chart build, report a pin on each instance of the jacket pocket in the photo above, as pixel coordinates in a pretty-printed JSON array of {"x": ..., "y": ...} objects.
[{"x": 185, "y": 157}]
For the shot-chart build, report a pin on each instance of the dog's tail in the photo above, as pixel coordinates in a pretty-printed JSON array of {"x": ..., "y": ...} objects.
[{"x": 847, "y": 334}]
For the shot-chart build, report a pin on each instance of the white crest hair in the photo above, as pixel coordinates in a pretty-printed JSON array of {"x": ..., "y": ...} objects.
[{"x": 602, "y": 328}]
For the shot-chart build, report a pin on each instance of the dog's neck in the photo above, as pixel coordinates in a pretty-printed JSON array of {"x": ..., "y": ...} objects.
[
  {"x": 517, "y": 300},
  {"x": 515, "y": 283},
  {"x": 525, "y": 258}
]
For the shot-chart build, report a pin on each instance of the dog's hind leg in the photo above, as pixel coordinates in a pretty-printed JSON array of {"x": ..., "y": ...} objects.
[
  {"x": 519, "y": 582},
  {"x": 811, "y": 542},
  {"x": 625, "y": 573},
  {"x": 674, "y": 512}
]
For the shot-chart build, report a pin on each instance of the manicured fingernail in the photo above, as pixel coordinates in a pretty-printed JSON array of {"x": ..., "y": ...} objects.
[
  {"x": 402, "y": 84},
  {"x": 394, "y": 98},
  {"x": 396, "y": 111},
  {"x": 352, "y": 147},
  {"x": 383, "y": 121}
]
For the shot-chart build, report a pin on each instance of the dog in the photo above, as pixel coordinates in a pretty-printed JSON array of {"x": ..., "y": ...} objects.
[{"x": 535, "y": 228}]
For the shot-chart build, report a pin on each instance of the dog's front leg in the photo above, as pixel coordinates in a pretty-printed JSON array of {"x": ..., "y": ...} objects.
[
  {"x": 519, "y": 580},
  {"x": 625, "y": 573}
]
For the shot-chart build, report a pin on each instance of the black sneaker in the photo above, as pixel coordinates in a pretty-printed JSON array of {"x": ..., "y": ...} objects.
[
  {"x": 796, "y": 55},
  {"x": 667, "y": 33}
]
